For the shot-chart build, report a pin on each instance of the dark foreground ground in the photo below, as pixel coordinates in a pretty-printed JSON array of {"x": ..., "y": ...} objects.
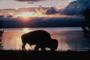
[{"x": 40, "y": 55}]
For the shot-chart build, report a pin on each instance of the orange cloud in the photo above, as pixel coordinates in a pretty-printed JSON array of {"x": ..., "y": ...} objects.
[{"x": 29, "y": 0}]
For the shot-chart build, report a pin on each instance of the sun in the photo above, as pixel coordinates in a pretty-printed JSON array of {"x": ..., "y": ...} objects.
[
  {"x": 28, "y": 16},
  {"x": 24, "y": 16}
]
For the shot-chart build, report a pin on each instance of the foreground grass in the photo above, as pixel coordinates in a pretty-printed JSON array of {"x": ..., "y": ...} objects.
[{"x": 11, "y": 54}]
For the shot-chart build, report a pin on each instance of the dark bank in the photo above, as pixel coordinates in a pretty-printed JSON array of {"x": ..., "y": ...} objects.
[{"x": 10, "y": 54}]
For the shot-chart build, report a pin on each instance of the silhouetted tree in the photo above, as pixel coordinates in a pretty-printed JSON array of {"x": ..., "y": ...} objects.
[
  {"x": 86, "y": 27},
  {"x": 1, "y": 33}
]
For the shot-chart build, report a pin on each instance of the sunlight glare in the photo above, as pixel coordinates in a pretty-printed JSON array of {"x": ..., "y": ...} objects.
[
  {"x": 25, "y": 15},
  {"x": 26, "y": 30},
  {"x": 30, "y": 47}
]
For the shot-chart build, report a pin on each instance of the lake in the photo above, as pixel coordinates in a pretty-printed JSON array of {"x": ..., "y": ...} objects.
[{"x": 69, "y": 38}]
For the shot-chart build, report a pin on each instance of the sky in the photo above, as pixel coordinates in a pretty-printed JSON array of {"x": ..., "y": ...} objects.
[{"x": 5, "y": 4}]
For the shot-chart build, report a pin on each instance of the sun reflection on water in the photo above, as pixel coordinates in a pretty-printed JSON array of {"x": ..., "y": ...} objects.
[
  {"x": 26, "y": 30},
  {"x": 12, "y": 39}
]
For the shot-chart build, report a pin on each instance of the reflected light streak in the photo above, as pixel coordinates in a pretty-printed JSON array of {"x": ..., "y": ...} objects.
[{"x": 26, "y": 30}]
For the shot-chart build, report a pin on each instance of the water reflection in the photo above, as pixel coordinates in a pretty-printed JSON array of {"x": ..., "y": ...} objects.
[{"x": 68, "y": 38}]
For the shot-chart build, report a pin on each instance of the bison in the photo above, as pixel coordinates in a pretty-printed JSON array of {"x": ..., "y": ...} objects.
[{"x": 41, "y": 39}]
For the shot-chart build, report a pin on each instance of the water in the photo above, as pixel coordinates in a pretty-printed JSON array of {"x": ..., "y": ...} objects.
[{"x": 68, "y": 38}]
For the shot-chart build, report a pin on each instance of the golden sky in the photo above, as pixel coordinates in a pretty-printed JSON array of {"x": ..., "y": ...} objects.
[{"x": 4, "y": 4}]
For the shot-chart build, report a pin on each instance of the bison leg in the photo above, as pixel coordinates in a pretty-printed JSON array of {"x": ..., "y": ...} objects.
[
  {"x": 37, "y": 48},
  {"x": 23, "y": 46},
  {"x": 43, "y": 49}
]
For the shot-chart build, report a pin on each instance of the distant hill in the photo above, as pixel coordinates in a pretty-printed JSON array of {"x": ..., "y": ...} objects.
[
  {"x": 76, "y": 7},
  {"x": 43, "y": 22}
]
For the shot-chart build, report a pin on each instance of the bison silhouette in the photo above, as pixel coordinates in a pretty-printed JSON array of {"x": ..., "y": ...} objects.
[{"x": 41, "y": 39}]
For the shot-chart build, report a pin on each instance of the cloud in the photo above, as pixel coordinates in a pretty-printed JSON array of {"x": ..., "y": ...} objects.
[
  {"x": 29, "y": 0},
  {"x": 51, "y": 10}
]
